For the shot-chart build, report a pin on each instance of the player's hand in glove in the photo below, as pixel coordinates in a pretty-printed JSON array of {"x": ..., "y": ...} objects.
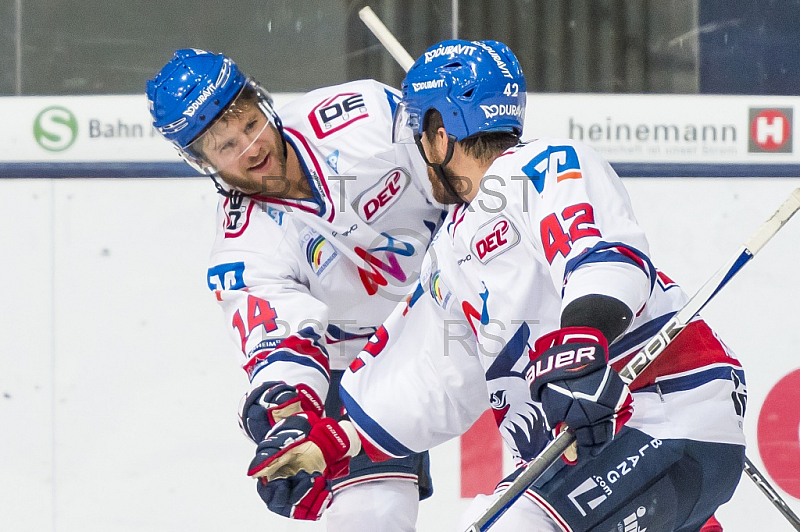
[
  {"x": 570, "y": 376},
  {"x": 267, "y": 404},
  {"x": 304, "y": 442},
  {"x": 302, "y": 496}
]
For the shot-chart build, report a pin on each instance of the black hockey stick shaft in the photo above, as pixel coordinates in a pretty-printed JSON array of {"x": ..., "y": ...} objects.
[
  {"x": 645, "y": 356},
  {"x": 765, "y": 487}
]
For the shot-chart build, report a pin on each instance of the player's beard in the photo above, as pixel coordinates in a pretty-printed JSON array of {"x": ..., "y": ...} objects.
[
  {"x": 441, "y": 193},
  {"x": 273, "y": 184}
]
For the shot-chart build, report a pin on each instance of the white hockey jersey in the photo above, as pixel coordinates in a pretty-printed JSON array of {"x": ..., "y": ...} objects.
[
  {"x": 552, "y": 222},
  {"x": 305, "y": 283}
]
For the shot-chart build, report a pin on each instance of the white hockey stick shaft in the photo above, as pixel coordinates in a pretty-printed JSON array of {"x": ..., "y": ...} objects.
[
  {"x": 645, "y": 356},
  {"x": 388, "y": 40}
]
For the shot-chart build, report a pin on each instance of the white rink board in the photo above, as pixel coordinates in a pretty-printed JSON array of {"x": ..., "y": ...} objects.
[{"x": 119, "y": 388}]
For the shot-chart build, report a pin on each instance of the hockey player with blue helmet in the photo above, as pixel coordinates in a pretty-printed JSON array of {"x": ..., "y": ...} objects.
[
  {"x": 460, "y": 80},
  {"x": 321, "y": 223},
  {"x": 212, "y": 114},
  {"x": 542, "y": 261}
]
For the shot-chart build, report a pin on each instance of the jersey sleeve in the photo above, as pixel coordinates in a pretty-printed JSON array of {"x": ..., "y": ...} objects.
[
  {"x": 269, "y": 311},
  {"x": 417, "y": 383},
  {"x": 581, "y": 220}
]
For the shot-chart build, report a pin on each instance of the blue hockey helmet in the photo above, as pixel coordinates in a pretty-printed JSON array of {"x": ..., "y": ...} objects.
[
  {"x": 192, "y": 92},
  {"x": 477, "y": 86}
]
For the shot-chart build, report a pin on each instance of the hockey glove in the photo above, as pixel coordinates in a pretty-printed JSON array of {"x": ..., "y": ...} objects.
[
  {"x": 570, "y": 376},
  {"x": 303, "y": 496},
  {"x": 304, "y": 442},
  {"x": 272, "y": 401}
]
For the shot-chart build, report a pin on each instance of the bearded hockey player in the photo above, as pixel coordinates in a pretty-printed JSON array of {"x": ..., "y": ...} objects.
[{"x": 321, "y": 227}]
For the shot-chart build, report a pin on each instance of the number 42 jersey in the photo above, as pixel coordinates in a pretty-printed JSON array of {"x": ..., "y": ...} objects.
[{"x": 552, "y": 222}]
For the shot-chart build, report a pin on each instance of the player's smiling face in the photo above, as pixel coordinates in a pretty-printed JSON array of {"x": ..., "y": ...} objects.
[{"x": 247, "y": 151}]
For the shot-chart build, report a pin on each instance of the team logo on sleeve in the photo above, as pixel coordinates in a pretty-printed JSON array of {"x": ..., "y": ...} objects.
[
  {"x": 228, "y": 276},
  {"x": 376, "y": 200},
  {"x": 493, "y": 238},
  {"x": 320, "y": 254},
  {"x": 336, "y": 113}
]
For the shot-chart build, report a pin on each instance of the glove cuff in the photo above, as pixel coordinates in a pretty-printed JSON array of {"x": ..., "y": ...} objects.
[
  {"x": 568, "y": 335},
  {"x": 565, "y": 354},
  {"x": 335, "y": 440}
]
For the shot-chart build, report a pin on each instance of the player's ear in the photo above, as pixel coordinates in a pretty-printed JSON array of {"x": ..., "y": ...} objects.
[{"x": 440, "y": 142}]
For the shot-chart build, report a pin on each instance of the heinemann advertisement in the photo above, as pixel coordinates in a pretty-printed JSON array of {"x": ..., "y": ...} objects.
[{"x": 638, "y": 134}]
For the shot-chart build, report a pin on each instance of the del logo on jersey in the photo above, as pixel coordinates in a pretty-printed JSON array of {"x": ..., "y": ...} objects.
[
  {"x": 336, "y": 112},
  {"x": 493, "y": 238},
  {"x": 376, "y": 200}
]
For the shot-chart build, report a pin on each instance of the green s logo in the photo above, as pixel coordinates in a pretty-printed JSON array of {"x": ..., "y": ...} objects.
[{"x": 55, "y": 128}]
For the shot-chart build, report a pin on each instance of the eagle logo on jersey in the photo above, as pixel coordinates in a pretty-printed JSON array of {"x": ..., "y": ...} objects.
[
  {"x": 493, "y": 238},
  {"x": 377, "y": 199}
]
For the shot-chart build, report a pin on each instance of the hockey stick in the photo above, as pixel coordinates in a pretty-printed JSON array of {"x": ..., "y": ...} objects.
[
  {"x": 645, "y": 356},
  {"x": 770, "y": 492},
  {"x": 388, "y": 40}
]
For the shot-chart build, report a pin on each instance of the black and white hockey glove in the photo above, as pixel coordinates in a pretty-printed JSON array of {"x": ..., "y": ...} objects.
[
  {"x": 570, "y": 376},
  {"x": 267, "y": 404}
]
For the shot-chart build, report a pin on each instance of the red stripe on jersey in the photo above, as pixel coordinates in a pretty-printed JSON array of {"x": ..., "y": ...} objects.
[
  {"x": 696, "y": 347},
  {"x": 456, "y": 218},
  {"x": 306, "y": 347},
  {"x": 633, "y": 256},
  {"x": 295, "y": 344},
  {"x": 481, "y": 457},
  {"x": 375, "y": 454},
  {"x": 317, "y": 167}
]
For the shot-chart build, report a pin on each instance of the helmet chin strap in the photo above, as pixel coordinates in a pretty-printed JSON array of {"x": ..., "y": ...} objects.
[{"x": 438, "y": 167}]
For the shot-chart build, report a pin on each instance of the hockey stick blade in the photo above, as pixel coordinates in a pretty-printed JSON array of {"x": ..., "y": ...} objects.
[
  {"x": 765, "y": 487},
  {"x": 645, "y": 356}
]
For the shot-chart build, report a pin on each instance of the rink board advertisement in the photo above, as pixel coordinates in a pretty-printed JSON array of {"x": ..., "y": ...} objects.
[{"x": 641, "y": 135}]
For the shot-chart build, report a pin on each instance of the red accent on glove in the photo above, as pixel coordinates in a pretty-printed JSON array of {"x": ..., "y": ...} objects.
[
  {"x": 712, "y": 525},
  {"x": 309, "y": 400},
  {"x": 568, "y": 335},
  {"x": 313, "y": 503},
  {"x": 331, "y": 439}
]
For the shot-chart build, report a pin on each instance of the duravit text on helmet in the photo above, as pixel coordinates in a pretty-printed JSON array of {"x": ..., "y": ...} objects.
[
  {"x": 222, "y": 78},
  {"x": 497, "y": 59},
  {"x": 430, "y": 84},
  {"x": 503, "y": 110},
  {"x": 449, "y": 50}
]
